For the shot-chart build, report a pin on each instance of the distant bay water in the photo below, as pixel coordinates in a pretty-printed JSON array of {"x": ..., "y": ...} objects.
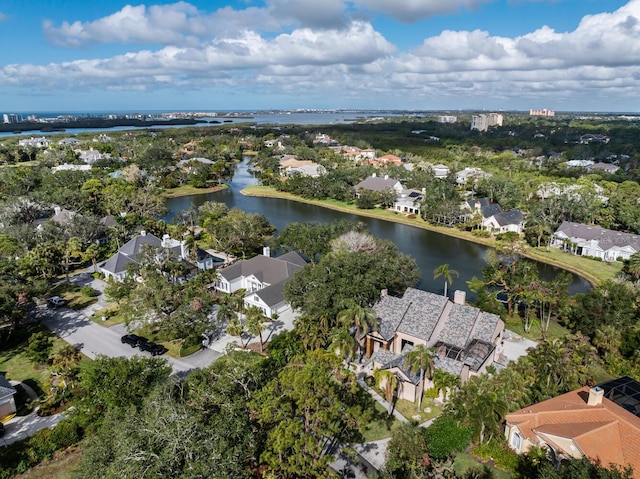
[{"x": 259, "y": 118}]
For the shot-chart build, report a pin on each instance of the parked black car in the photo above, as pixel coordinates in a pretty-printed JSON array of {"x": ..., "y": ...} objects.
[
  {"x": 153, "y": 348},
  {"x": 132, "y": 340}
]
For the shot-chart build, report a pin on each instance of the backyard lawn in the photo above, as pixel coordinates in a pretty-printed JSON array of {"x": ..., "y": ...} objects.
[
  {"x": 465, "y": 462},
  {"x": 381, "y": 426},
  {"x": 16, "y": 365}
]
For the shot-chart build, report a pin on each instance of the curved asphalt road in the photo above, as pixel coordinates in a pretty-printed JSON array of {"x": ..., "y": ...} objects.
[{"x": 93, "y": 339}]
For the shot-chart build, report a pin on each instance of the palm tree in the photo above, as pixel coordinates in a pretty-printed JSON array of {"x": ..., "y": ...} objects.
[
  {"x": 389, "y": 381},
  {"x": 444, "y": 271},
  {"x": 421, "y": 357},
  {"x": 632, "y": 266},
  {"x": 343, "y": 344},
  {"x": 358, "y": 317},
  {"x": 225, "y": 314},
  {"x": 235, "y": 328},
  {"x": 444, "y": 382},
  {"x": 255, "y": 322}
]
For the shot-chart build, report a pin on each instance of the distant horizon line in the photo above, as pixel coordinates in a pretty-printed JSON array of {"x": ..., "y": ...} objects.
[{"x": 312, "y": 110}]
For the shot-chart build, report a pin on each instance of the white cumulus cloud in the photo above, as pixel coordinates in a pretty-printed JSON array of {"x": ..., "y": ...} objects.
[{"x": 413, "y": 10}]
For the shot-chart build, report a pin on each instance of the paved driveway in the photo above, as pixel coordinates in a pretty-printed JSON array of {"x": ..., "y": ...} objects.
[{"x": 93, "y": 339}]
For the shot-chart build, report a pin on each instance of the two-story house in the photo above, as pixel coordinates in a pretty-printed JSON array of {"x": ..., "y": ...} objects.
[{"x": 263, "y": 279}]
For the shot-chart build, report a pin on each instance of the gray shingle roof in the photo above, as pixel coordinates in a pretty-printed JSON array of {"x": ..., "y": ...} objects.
[
  {"x": 606, "y": 238},
  {"x": 271, "y": 295},
  {"x": 117, "y": 263},
  {"x": 133, "y": 246},
  {"x": 486, "y": 326},
  {"x": 6, "y": 389},
  {"x": 266, "y": 269},
  {"x": 389, "y": 360},
  {"x": 458, "y": 325},
  {"x": 127, "y": 253},
  {"x": 375, "y": 183},
  {"x": 487, "y": 208},
  {"x": 512, "y": 217},
  {"x": 449, "y": 365},
  {"x": 416, "y": 313},
  {"x": 423, "y": 312}
]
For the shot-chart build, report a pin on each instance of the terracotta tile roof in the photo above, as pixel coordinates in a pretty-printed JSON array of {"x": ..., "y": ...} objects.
[{"x": 603, "y": 431}]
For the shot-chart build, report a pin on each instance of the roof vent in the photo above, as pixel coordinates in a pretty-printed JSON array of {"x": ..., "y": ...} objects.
[{"x": 596, "y": 394}]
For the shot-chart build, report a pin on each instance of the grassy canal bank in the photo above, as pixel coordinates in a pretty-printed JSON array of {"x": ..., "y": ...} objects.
[
  {"x": 188, "y": 190},
  {"x": 591, "y": 270}
]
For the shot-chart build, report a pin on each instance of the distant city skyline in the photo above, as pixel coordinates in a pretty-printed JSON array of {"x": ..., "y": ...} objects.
[{"x": 493, "y": 55}]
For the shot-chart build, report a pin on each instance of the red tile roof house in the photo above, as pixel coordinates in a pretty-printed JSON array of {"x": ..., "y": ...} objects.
[{"x": 577, "y": 424}]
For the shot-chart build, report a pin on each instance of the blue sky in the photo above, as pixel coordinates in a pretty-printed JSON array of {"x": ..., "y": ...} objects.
[{"x": 77, "y": 55}]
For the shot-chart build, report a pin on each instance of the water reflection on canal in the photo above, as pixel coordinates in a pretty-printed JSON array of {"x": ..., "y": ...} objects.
[{"x": 429, "y": 249}]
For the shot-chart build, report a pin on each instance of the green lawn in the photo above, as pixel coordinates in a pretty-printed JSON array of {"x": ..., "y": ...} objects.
[
  {"x": 535, "y": 334},
  {"x": 592, "y": 270},
  {"x": 465, "y": 462},
  {"x": 111, "y": 312},
  {"x": 381, "y": 426},
  {"x": 17, "y": 366},
  {"x": 187, "y": 190},
  {"x": 410, "y": 410}
]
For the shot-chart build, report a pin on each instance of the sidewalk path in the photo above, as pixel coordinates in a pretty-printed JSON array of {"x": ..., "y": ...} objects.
[
  {"x": 379, "y": 398},
  {"x": 22, "y": 427}
]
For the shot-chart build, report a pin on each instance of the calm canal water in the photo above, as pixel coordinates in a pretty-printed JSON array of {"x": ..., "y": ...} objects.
[{"x": 429, "y": 249}]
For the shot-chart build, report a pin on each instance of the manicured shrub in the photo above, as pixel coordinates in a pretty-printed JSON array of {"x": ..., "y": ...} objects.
[
  {"x": 500, "y": 454},
  {"x": 445, "y": 437},
  {"x": 88, "y": 291}
]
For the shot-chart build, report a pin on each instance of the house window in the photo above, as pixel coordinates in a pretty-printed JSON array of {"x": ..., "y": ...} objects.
[
  {"x": 406, "y": 343},
  {"x": 516, "y": 441}
]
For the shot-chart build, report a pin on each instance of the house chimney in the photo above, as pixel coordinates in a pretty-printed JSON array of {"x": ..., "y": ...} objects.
[
  {"x": 184, "y": 253},
  {"x": 373, "y": 175},
  {"x": 56, "y": 210},
  {"x": 424, "y": 191},
  {"x": 384, "y": 293},
  {"x": 266, "y": 251},
  {"x": 596, "y": 394},
  {"x": 459, "y": 297},
  {"x": 143, "y": 233},
  {"x": 386, "y": 177},
  {"x": 165, "y": 240}
]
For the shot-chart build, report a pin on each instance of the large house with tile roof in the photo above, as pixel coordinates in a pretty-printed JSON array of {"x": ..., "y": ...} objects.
[
  {"x": 263, "y": 278},
  {"x": 466, "y": 340},
  {"x": 586, "y": 240},
  {"x": 587, "y": 422}
]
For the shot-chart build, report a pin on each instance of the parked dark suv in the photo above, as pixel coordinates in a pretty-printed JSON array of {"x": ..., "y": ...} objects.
[
  {"x": 132, "y": 340},
  {"x": 153, "y": 348}
]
